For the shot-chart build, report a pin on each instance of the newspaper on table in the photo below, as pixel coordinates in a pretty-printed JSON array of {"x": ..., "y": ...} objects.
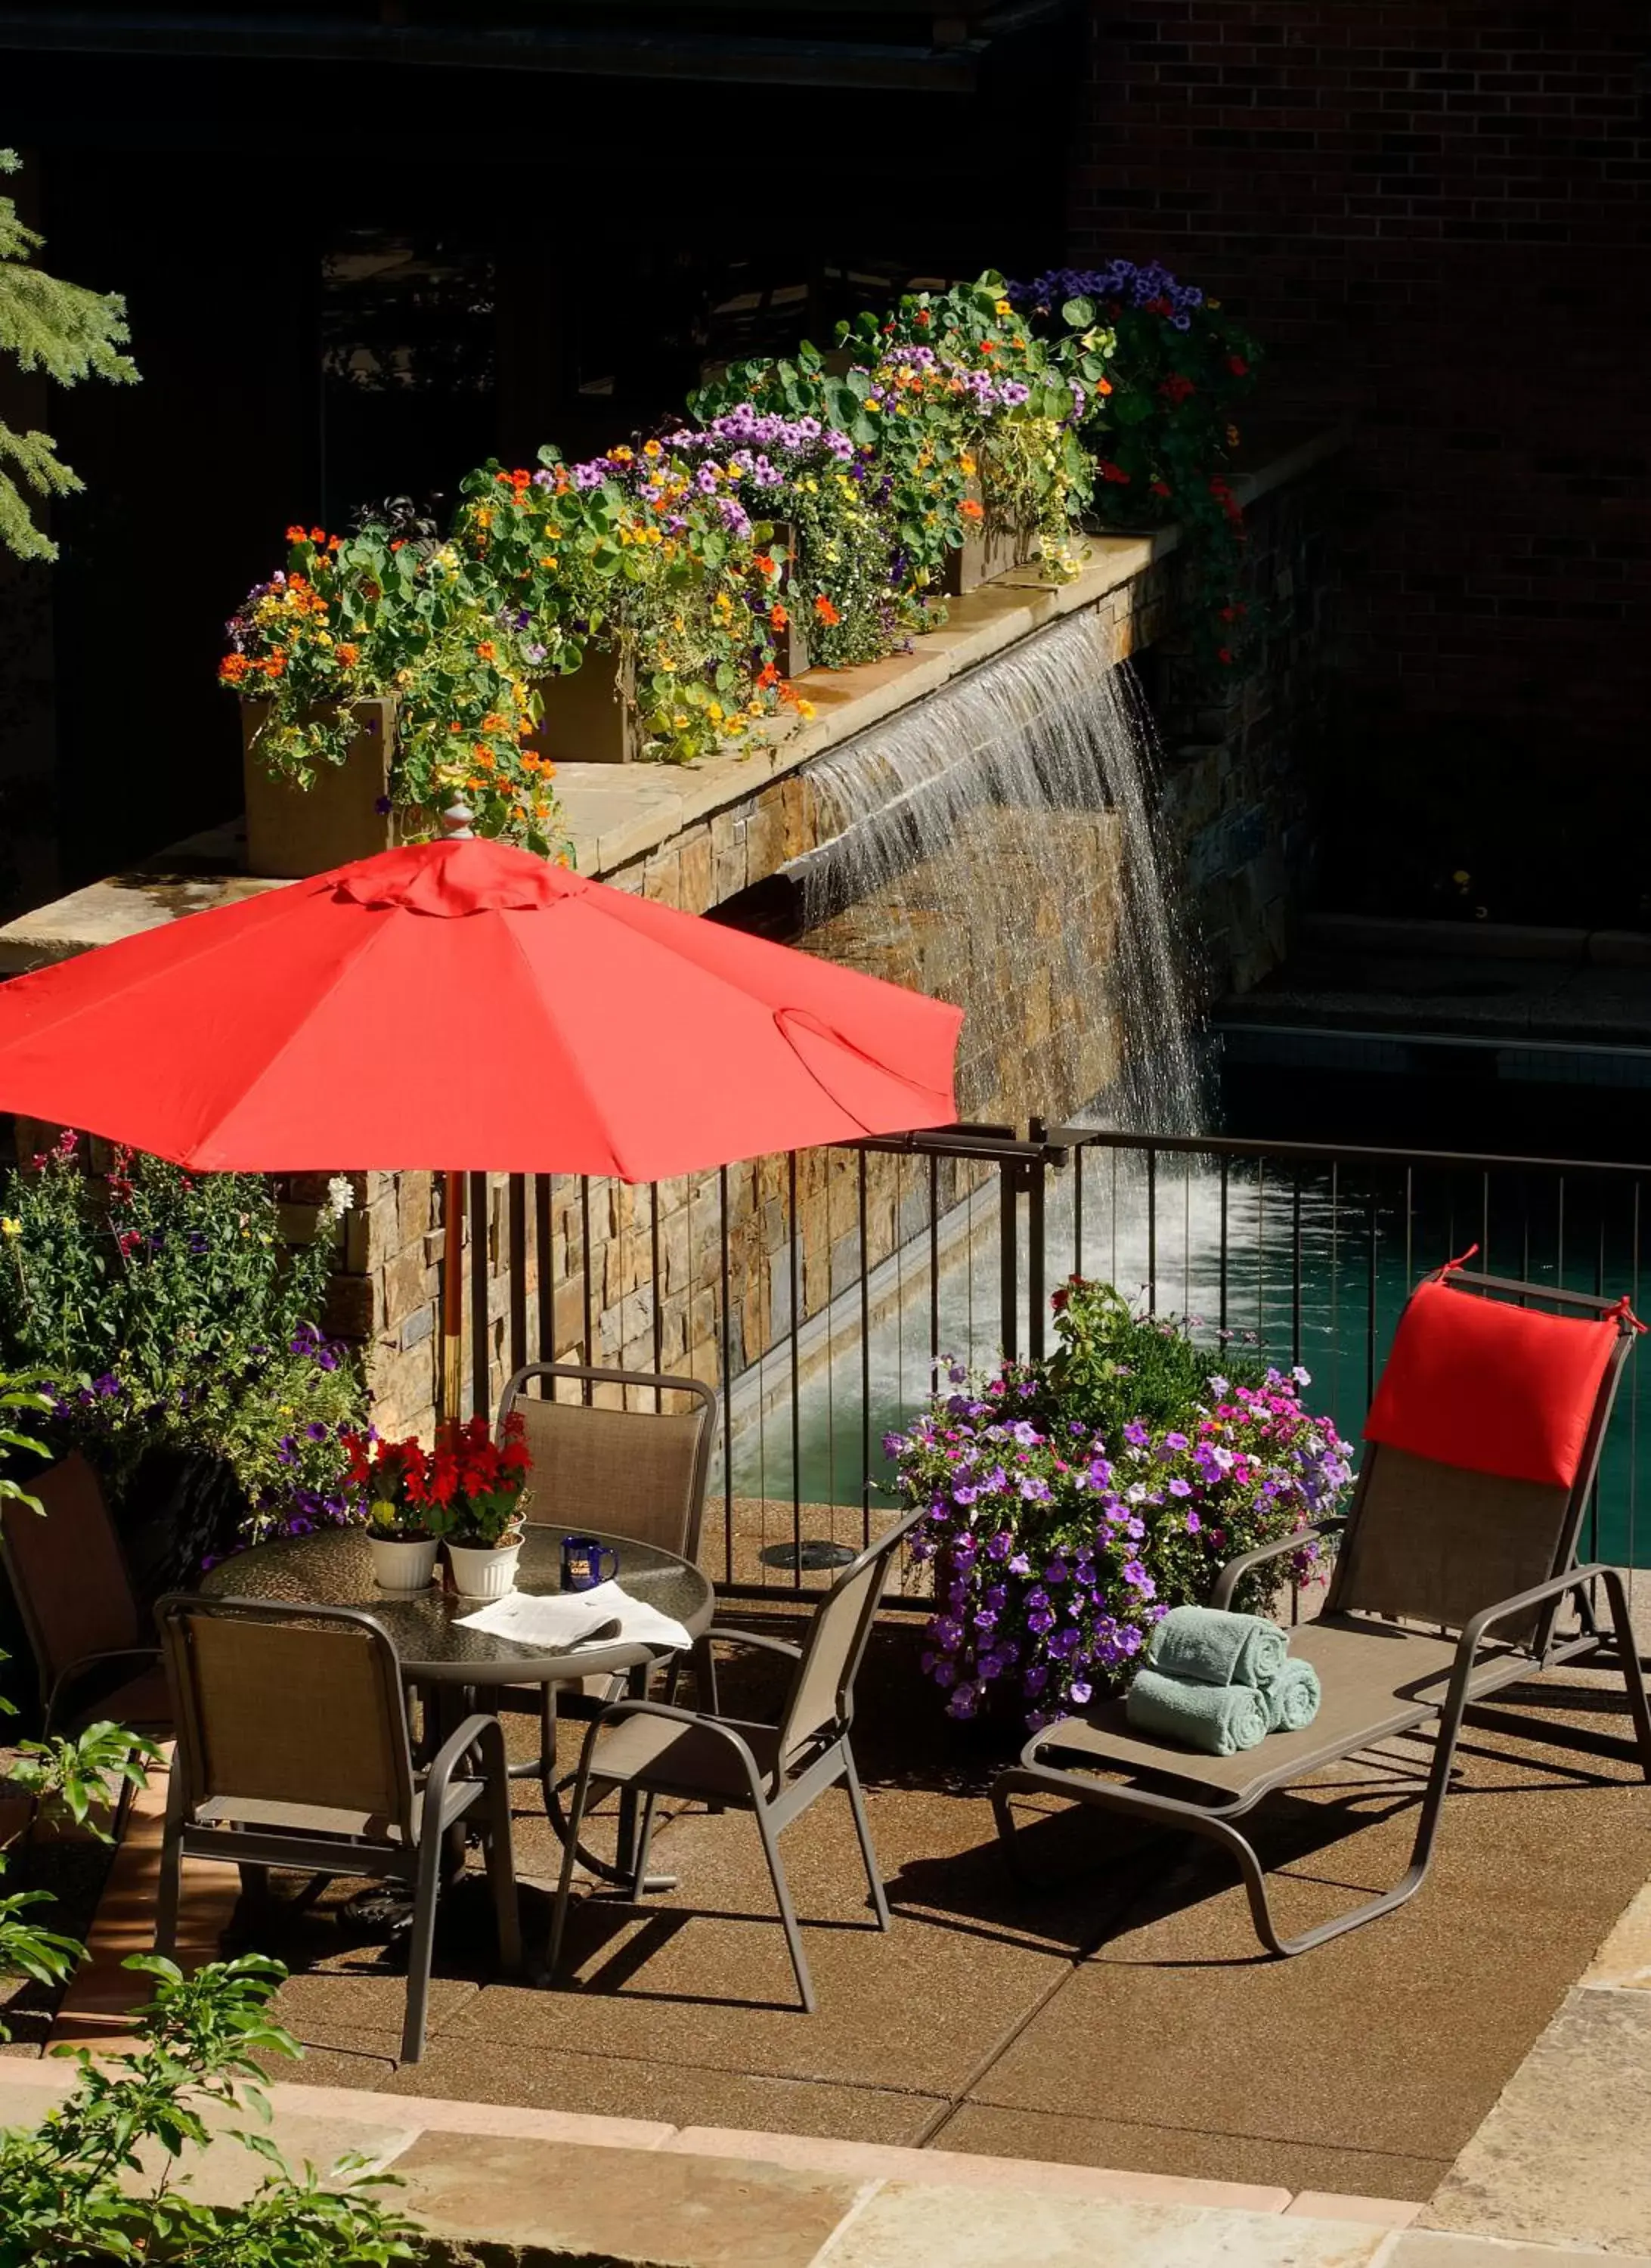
[{"x": 606, "y": 1614}]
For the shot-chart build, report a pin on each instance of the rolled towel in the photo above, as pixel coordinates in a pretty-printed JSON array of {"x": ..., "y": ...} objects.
[
  {"x": 1219, "y": 1720},
  {"x": 1292, "y": 1699},
  {"x": 1217, "y": 1648}
]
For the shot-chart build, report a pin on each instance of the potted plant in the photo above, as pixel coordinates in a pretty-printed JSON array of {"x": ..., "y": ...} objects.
[
  {"x": 1071, "y": 1502},
  {"x": 403, "y": 1536},
  {"x": 479, "y": 1485},
  {"x": 379, "y": 675}
]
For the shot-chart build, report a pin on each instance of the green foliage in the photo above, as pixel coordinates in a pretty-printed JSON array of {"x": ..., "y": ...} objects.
[
  {"x": 172, "y": 1300},
  {"x": 73, "y": 1776},
  {"x": 69, "y": 334},
  {"x": 1112, "y": 1365},
  {"x": 21, "y": 1391},
  {"x": 375, "y": 614},
  {"x": 83, "y": 2187},
  {"x": 954, "y": 414}
]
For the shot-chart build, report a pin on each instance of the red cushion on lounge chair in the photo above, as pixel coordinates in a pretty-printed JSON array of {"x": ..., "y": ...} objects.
[{"x": 1494, "y": 1387}]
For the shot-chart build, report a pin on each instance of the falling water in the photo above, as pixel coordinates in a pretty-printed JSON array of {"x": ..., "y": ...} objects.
[
  {"x": 1017, "y": 807},
  {"x": 998, "y": 844}
]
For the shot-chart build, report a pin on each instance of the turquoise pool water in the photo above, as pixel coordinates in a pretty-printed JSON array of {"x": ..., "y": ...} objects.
[{"x": 1312, "y": 1266}]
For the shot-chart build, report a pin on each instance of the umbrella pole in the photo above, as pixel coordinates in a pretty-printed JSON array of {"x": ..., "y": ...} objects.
[
  {"x": 452, "y": 1302},
  {"x": 456, "y": 823}
]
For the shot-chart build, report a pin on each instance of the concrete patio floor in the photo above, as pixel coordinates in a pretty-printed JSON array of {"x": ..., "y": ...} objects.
[{"x": 1124, "y": 2019}]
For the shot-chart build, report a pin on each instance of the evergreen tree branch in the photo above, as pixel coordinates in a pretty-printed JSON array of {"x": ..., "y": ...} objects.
[{"x": 68, "y": 334}]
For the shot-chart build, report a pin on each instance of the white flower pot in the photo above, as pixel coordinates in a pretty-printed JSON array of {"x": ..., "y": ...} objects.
[
  {"x": 401, "y": 1566},
  {"x": 479, "y": 1573}
]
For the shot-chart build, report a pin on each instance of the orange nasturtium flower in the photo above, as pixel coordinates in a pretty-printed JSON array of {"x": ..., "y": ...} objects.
[
  {"x": 486, "y": 651},
  {"x": 777, "y": 617},
  {"x": 827, "y": 613},
  {"x": 971, "y": 508}
]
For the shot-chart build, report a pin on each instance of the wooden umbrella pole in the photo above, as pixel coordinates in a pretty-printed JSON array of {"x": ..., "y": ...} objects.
[
  {"x": 453, "y": 1302},
  {"x": 455, "y": 825}
]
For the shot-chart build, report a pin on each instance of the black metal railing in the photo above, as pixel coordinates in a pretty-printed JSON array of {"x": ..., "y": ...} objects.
[{"x": 824, "y": 1308}]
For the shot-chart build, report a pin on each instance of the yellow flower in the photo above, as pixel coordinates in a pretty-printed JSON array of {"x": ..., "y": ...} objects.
[
  {"x": 966, "y": 463},
  {"x": 650, "y": 448},
  {"x": 548, "y": 563},
  {"x": 10, "y": 1227},
  {"x": 715, "y": 712},
  {"x": 754, "y": 708},
  {"x": 681, "y": 723},
  {"x": 805, "y": 710},
  {"x": 1004, "y": 307}
]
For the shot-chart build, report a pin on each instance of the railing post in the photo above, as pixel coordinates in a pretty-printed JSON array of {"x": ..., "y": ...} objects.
[
  {"x": 1036, "y": 1194},
  {"x": 1008, "y": 1256}
]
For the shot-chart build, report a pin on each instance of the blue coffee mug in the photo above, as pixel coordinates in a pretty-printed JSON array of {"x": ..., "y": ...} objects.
[{"x": 582, "y": 1568}]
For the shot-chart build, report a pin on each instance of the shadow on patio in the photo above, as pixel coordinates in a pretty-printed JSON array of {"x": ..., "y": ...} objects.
[{"x": 1120, "y": 2017}]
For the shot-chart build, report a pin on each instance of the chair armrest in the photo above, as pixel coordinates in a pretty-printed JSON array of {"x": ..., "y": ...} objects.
[
  {"x": 479, "y": 1731},
  {"x": 674, "y": 1715},
  {"x": 759, "y": 1639},
  {"x": 1236, "y": 1570},
  {"x": 85, "y": 1662},
  {"x": 1473, "y": 1633}
]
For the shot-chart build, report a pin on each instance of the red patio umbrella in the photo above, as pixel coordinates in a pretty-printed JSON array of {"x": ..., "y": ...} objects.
[{"x": 462, "y": 1003}]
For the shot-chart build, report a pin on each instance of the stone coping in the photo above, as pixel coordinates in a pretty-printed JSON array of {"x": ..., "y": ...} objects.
[
  {"x": 617, "y": 813},
  {"x": 564, "y": 2181}
]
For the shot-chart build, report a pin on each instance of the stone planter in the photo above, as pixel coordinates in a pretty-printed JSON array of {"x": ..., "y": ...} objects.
[
  {"x": 401, "y": 1565},
  {"x": 292, "y": 832},
  {"x": 589, "y": 718},
  {"x": 480, "y": 1573}
]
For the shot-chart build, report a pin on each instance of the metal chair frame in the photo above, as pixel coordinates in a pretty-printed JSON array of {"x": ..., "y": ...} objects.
[
  {"x": 1470, "y": 1681},
  {"x": 774, "y": 1797},
  {"x": 426, "y": 1816}
]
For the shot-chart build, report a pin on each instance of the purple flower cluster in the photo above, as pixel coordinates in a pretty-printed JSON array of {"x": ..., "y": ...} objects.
[
  {"x": 1054, "y": 1554},
  {"x": 1121, "y": 282}
]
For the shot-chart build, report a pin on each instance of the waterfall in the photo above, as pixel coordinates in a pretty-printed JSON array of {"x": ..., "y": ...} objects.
[{"x": 1018, "y": 806}]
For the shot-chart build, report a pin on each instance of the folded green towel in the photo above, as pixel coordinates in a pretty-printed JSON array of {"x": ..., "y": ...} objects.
[
  {"x": 1218, "y": 1648},
  {"x": 1292, "y": 1699},
  {"x": 1219, "y": 1720}
]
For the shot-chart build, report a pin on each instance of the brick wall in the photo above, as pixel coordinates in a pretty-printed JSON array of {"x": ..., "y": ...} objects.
[{"x": 1435, "y": 212}]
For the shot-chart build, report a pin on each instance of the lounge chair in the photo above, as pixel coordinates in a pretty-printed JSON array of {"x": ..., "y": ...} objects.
[
  {"x": 293, "y": 1751},
  {"x": 1447, "y": 1586},
  {"x": 774, "y": 1771}
]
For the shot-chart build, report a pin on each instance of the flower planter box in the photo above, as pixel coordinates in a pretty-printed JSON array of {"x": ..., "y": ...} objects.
[
  {"x": 590, "y": 716},
  {"x": 292, "y": 832},
  {"x": 791, "y": 645},
  {"x": 992, "y": 550}
]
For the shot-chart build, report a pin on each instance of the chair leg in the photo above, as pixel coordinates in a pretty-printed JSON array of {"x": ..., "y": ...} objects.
[
  {"x": 857, "y": 1805},
  {"x": 1628, "y": 1654},
  {"x": 645, "y": 1836},
  {"x": 1170, "y": 1813},
  {"x": 782, "y": 1898},
  {"x": 569, "y": 1859},
  {"x": 171, "y": 1883},
  {"x": 421, "y": 1947},
  {"x": 501, "y": 1869}
]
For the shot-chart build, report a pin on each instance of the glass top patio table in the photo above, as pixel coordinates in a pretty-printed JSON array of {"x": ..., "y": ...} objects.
[{"x": 333, "y": 1568}]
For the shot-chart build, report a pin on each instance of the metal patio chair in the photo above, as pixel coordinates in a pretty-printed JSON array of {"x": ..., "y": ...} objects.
[
  {"x": 634, "y": 1472},
  {"x": 292, "y": 1750},
  {"x": 75, "y": 1595},
  {"x": 774, "y": 1771},
  {"x": 1447, "y": 1587}
]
